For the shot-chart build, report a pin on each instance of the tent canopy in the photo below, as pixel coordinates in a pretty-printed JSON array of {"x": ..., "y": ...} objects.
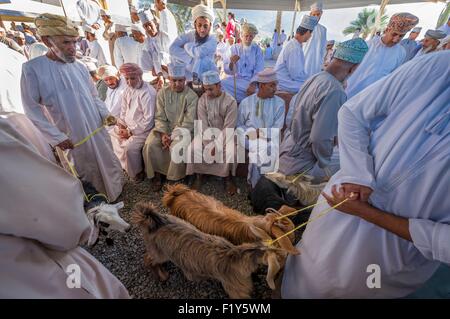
[
  {"x": 289, "y": 5},
  {"x": 26, "y": 10}
]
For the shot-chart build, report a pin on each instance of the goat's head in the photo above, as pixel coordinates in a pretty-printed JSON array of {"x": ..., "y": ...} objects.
[{"x": 108, "y": 217}]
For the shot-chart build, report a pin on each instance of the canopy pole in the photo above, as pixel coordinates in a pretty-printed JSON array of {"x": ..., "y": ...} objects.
[
  {"x": 296, "y": 8},
  {"x": 278, "y": 21}
]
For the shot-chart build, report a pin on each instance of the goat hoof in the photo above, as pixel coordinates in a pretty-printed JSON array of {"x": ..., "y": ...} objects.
[{"x": 109, "y": 241}]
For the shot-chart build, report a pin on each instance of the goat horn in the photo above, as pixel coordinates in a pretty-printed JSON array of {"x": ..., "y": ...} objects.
[{"x": 273, "y": 268}]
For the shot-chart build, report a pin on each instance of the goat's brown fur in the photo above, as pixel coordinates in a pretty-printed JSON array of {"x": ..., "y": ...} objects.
[
  {"x": 200, "y": 255},
  {"x": 213, "y": 217}
]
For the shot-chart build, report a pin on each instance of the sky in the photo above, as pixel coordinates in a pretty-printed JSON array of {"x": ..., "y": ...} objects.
[{"x": 337, "y": 20}]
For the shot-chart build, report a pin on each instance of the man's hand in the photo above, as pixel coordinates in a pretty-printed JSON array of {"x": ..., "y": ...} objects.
[
  {"x": 351, "y": 206},
  {"x": 110, "y": 120},
  {"x": 66, "y": 145},
  {"x": 251, "y": 89},
  {"x": 165, "y": 140},
  {"x": 235, "y": 58},
  {"x": 362, "y": 192},
  {"x": 96, "y": 26},
  {"x": 160, "y": 82},
  {"x": 124, "y": 134}
]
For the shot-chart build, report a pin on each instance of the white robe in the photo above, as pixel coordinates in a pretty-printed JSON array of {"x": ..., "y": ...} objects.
[
  {"x": 127, "y": 50},
  {"x": 138, "y": 113},
  {"x": 114, "y": 98},
  {"x": 271, "y": 116},
  {"x": 251, "y": 62},
  {"x": 168, "y": 32},
  {"x": 42, "y": 225},
  {"x": 378, "y": 62},
  {"x": 66, "y": 92},
  {"x": 96, "y": 52},
  {"x": 151, "y": 56},
  {"x": 290, "y": 67},
  {"x": 89, "y": 11},
  {"x": 399, "y": 145},
  {"x": 198, "y": 58},
  {"x": 315, "y": 50}
]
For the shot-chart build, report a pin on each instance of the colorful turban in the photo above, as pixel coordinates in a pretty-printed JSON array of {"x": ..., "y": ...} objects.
[
  {"x": 108, "y": 71},
  {"x": 352, "y": 51},
  {"x": 402, "y": 22},
  {"x": 177, "y": 70},
  {"x": 50, "y": 25},
  {"x": 130, "y": 69},
  {"x": 202, "y": 11},
  {"x": 210, "y": 78},
  {"x": 267, "y": 75},
  {"x": 318, "y": 6},
  {"x": 309, "y": 22},
  {"x": 145, "y": 16},
  {"x": 435, "y": 34},
  {"x": 249, "y": 28}
]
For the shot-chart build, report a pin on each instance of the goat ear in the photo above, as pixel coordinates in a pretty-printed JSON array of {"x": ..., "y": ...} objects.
[
  {"x": 273, "y": 267},
  {"x": 119, "y": 205},
  {"x": 284, "y": 242},
  {"x": 260, "y": 233}
]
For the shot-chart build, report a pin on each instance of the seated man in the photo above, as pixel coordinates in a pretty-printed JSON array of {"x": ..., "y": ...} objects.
[
  {"x": 260, "y": 113},
  {"x": 176, "y": 109},
  {"x": 216, "y": 110},
  {"x": 244, "y": 62},
  {"x": 116, "y": 86},
  {"x": 309, "y": 145},
  {"x": 136, "y": 120}
]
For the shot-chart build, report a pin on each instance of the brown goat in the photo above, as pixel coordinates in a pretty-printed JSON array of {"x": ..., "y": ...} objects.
[
  {"x": 203, "y": 256},
  {"x": 213, "y": 217}
]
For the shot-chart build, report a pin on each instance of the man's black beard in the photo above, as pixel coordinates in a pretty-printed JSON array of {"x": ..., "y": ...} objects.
[{"x": 199, "y": 39}]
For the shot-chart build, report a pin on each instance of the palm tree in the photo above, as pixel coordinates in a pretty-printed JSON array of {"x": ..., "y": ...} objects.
[
  {"x": 366, "y": 23},
  {"x": 443, "y": 17}
]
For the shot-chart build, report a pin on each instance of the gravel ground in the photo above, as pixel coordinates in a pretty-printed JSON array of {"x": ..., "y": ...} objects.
[{"x": 125, "y": 257}]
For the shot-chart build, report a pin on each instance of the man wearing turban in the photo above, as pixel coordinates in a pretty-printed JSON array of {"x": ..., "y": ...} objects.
[
  {"x": 242, "y": 64},
  {"x": 136, "y": 119},
  {"x": 431, "y": 41},
  {"x": 197, "y": 48},
  {"x": 385, "y": 54},
  {"x": 61, "y": 85},
  {"x": 217, "y": 110}
]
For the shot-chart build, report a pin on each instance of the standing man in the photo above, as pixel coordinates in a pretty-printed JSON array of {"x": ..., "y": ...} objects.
[
  {"x": 315, "y": 48},
  {"x": 261, "y": 112},
  {"x": 62, "y": 85},
  {"x": 385, "y": 54},
  {"x": 394, "y": 155},
  {"x": 410, "y": 45},
  {"x": 176, "y": 109},
  {"x": 125, "y": 47},
  {"x": 137, "y": 118},
  {"x": 216, "y": 110},
  {"x": 196, "y": 49},
  {"x": 167, "y": 29},
  {"x": 20, "y": 40},
  {"x": 245, "y": 61},
  {"x": 95, "y": 51},
  {"x": 282, "y": 39},
  {"x": 290, "y": 66},
  {"x": 431, "y": 41}
]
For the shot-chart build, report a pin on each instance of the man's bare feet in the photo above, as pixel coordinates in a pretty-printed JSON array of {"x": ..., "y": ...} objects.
[{"x": 230, "y": 186}]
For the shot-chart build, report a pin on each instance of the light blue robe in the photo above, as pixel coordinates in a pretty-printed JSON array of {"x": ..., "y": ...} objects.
[
  {"x": 399, "y": 145},
  {"x": 378, "y": 62},
  {"x": 315, "y": 50},
  {"x": 290, "y": 67},
  {"x": 250, "y": 63},
  {"x": 198, "y": 58},
  {"x": 271, "y": 115},
  {"x": 411, "y": 47}
]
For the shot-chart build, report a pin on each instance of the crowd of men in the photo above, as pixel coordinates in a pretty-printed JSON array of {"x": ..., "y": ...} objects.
[{"x": 372, "y": 117}]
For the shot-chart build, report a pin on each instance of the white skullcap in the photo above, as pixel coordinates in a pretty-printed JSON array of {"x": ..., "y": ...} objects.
[
  {"x": 145, "y": 16},
  {"x": 202, "y": 11},
  {"x": 210, "y": 78},
  {"x": 267, "y": 75},
  {"x": 109, "y": 70},
  {"x": 89, "y": 29},
  {"x": 37, "y": 49},
  {"x": 138, "y": 27},
  {"x": 318, "y": 6},
  {"x": 19, "y": 34},
  {"x": 121, "y": 28},
  {"x": 177, "y": 70}
]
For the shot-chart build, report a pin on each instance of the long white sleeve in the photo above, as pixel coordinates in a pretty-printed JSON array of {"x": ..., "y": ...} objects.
[{"x": 431, "y": 239}]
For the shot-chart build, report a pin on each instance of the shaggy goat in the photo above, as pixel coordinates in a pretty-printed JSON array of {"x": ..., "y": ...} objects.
[
  {"x": 200, "y": 255},
  {"x": 212, "y": 217}
]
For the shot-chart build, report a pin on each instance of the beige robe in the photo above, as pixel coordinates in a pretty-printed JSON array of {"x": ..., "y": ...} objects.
[
  {"x": 220, "y": 113},
  {"x": 138, "y": 114},
  {"x": 173, "y": 110},
  {"x": 42, "y": 224}
]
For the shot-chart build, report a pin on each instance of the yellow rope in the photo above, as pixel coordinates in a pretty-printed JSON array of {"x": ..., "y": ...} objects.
[
  {"x": 84, "y": 140},
  {"x": 271, "y": 242},
  {"x": 300, "y": 210}
]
